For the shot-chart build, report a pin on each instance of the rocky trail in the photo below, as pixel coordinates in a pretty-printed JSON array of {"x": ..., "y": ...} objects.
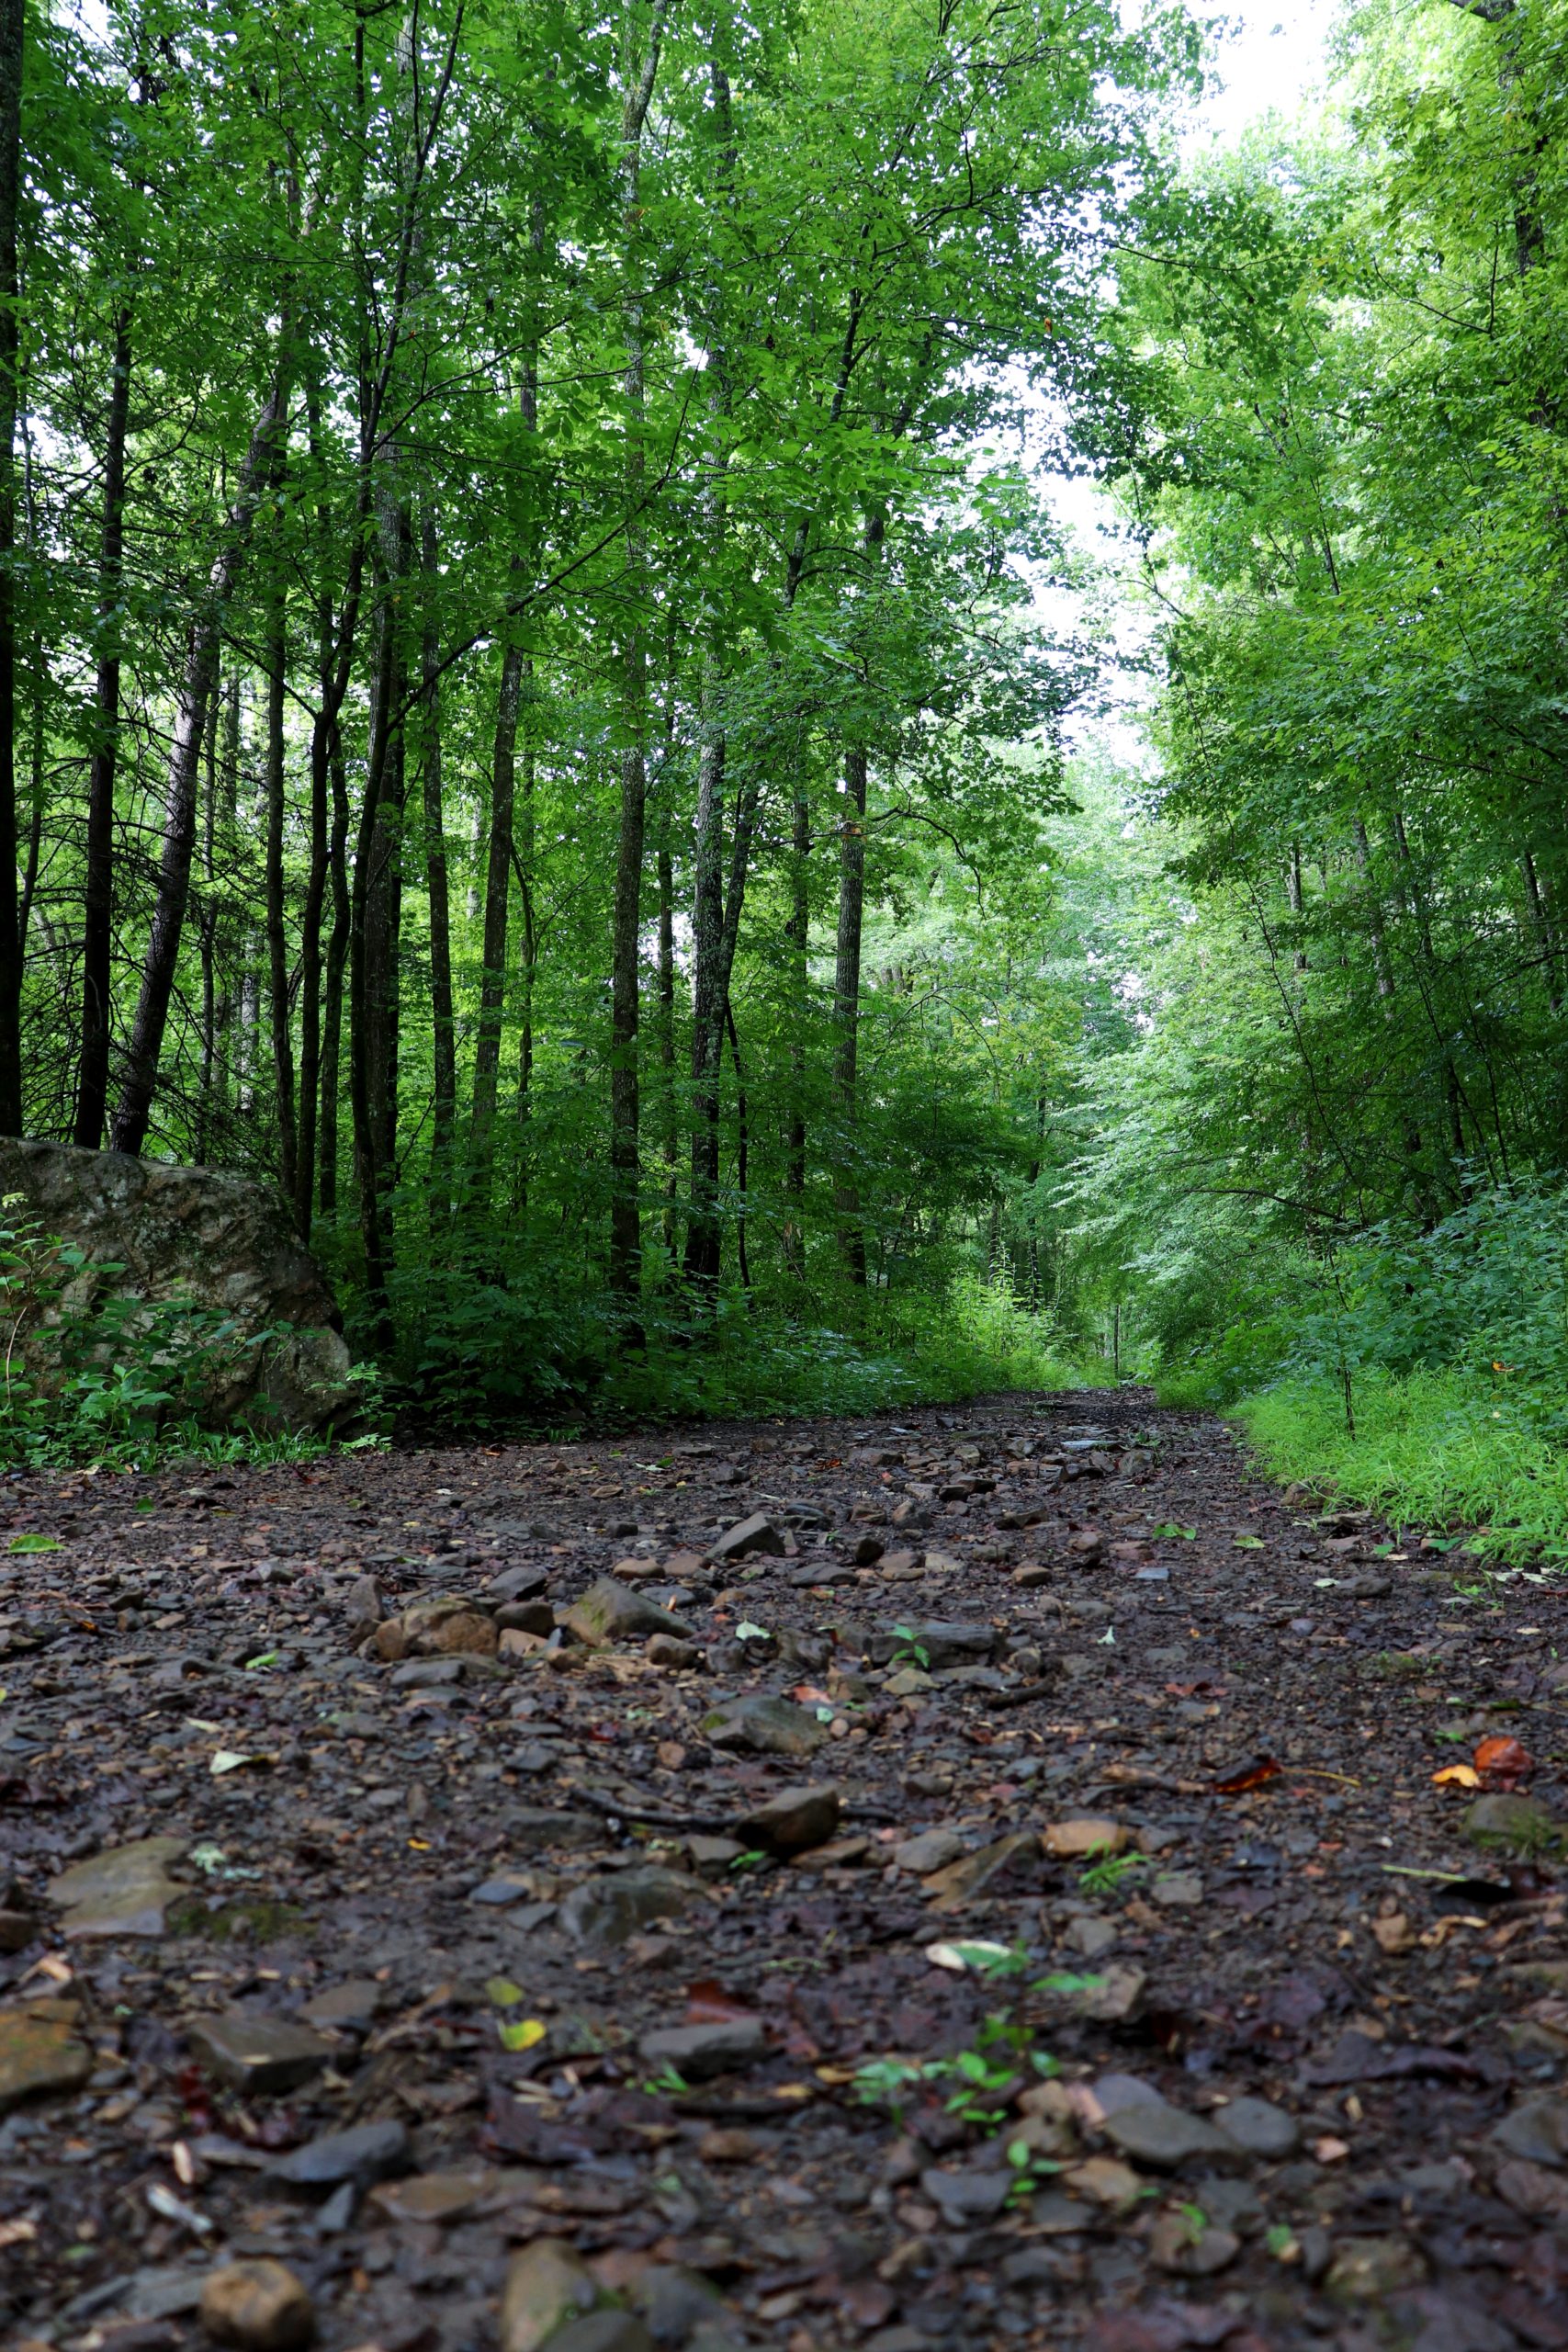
[{"x": 971, "y": 1880}]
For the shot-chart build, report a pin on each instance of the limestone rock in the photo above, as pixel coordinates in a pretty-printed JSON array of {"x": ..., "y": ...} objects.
[
  {"x": 1260, "y": 2128},
  {"x": 757, "y": 1534},
  {"x": 697, "y": 2053},
  {"x": 611, "y": 1612},
  {"x": 604, "y": 1912},
  {"x": 1013, "y": 1861},
  {"x": 224, "y": 1242},
  {"x": 365, "y": 2152},
  {"x": 681, "y": 1657},
  {"x": 448, "y": 1628},
  {"x": 932, "y": 1850},
  {"x": 1516, "y": 1822},
  {"x": 39, "y": 2056},
  {"x": 259, "y": 2306},
  {"x": 794, "y": 1820},
  {"x": 262, "y": 2054},
  {"x": 547, "y": 2286},
  {"x": 1085, "y": 1833},
  {"x": 1152, "y": 2132},
  {"x": 765, "y": 1726},
  {"x": 124, "y": 1891}
]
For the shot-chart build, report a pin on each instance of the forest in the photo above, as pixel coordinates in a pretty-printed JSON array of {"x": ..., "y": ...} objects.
[{"x": 546, "y": 702}]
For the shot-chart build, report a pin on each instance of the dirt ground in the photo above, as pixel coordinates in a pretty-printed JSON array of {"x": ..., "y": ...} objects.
[{"x": 1010, "y": 1904}]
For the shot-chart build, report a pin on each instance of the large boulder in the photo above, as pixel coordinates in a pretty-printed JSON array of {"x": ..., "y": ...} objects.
[{"x": 223, "y": 1244}]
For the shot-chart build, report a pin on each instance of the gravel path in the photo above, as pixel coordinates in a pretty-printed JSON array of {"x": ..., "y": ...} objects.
[{"x": 971, "y": 1880}]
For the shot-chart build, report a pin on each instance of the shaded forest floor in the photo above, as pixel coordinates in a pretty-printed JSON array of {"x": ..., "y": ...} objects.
[{"x": 1127, "y": 1981}]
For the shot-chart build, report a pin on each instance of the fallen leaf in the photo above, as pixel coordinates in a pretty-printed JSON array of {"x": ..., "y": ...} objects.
[
  {"x": 1329, "y": 2151},
  {"x": 1251, "y": 1776},
  {"x": 1504, "y": 1760},
  {"x": 233, "y": 1759},
  {"x": 1457, "y": 1776},
  {"x": 525, "y": 2034},
  {"x": 1247, "y": 1542},
  {"x": 33, "y": 1543},
  {"x": 958, "y": 1959},
  {"x": 707, "y": 2003}
]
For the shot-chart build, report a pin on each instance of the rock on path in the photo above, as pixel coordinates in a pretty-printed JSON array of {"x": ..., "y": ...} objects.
[{"x": 973, "y": 1880}]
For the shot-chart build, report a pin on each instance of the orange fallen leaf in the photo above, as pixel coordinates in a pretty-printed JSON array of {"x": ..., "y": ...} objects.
[
  {"x": 1457, "y": 1776},
  {"x": 1503, "y": 1758},
  {"x": 1235, "y": 1784}
]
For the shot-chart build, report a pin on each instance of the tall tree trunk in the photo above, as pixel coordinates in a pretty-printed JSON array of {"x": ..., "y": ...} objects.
[
  {"x": 846, "y": 1006},
  {"x": 277, "y": 912},
  {"x": 444, "y": 1029},
  {"x": 206, "y": 937},
  {"x": 498, "y": 893},
  {"x": 798, "y": 931},
  {"x": 1540, "y": 924},
  {"x": 670, "y": 1141},
  {"x": 626, "y": 1215},
  {"x": 133, "y": 1110},
  {"x": 376, "y": 911},
  {"x": 742, "y": 1152},
  {"x": 337, "y": 966},
  {"x": 98, "y": 944},
  {"x": 11, "y": 34}
]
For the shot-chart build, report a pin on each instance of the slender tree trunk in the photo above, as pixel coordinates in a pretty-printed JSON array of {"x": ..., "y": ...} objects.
[
  {"x": 98, "y": 944},
  {"x": 742, "y": 1153},
  {"x": 443, "y": 1024},
  {"x": 667, "y": 1021},
  {"x": 376, "y": 914},
  {"x": 337, "y": 966},
  {"x": 498, "y": 893},
  {"x": 277, "y": 912},
  {"x": 207, "y": 934},
  {"x": 1540, "y": 923},
  {"x": 846, "y": 1006},
  {"x": 11, "y": 37},
  {"x": 133, "y": 1112},
  {"x": 626, "y": 1215},
  {"x": 798, "y": 933}
]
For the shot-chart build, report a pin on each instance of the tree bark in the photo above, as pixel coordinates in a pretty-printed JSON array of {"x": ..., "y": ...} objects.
[
  {"x": 11, "y": 36},
  {"x": 278, "y": 1011},
  {"x": 626, "y": 1215},
  {"x": 336, "y": 969},
  {"x": 498, "y": 890},
  {"x": 846, "y": 1007},
  {"x": 443, "y": 1118},
  {"x": 98, "y": 944},
  {"x": 133, "y": 1110}
]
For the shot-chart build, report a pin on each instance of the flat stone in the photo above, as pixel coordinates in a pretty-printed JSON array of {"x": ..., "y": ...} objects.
[
  {"x": 947, "y": 1643},
  {"x": 364, "y": 2154},
  {"x": 526, "y": 1617},
  {"x": 757, "y": 1534},
  {"x": 711, "y": 1854},
  {"x": 765, "y": 1727},
  {"x": 604, "y": 1912},
  {"x": 1083, "y": 1835},
  {"x": 1013, "y": 1862},
  {"x": 1091, "y": 1935},
  {"x": 1509, "y": 1820},
  {"x": 604, "y": 2331},
  {"x": 349, "y": 2006},
  {"x": 1151, "y": 2132},
  {"x": 547, "y": 2286},
  {"x": 697, "y": 2053},
  {"x": 533, "y": 1828},
  {"x": 908, "y": 1682},
  {"x": 434, "y": 2195},
  {"x": 610, "y": 1611},
  {"x": 1260, "y": 2128},
  {"x": 1112, "y": 1996},
  {"x": 125, "y": 1891},
  {"x": 1178, "y": 1891},
  {"x": 1191, "y": 2249},
  {"x": 261, "y": 2055},
  {"x": 40, "y": 2057},
  {"x": 1536, "y": 2129},
  {"x": 681, "y": 1657},
  {"x": 259, "y": 2306},
  {"x": 521, "y": 1583},
  {"x": 966, "y": 2195},
  {"x": 427, "y": 1673},
  {"x": 448, "y": 1628},
  {"x": 1033, "y": 1573},
  {"x": 931, "y": 1850},
  {"x": 794, "y": 1820},
  {"x": 1368, "y": 2270}
]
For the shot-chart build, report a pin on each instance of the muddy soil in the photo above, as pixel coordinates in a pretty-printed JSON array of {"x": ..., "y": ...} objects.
[{"x": 969, "y": 1878}]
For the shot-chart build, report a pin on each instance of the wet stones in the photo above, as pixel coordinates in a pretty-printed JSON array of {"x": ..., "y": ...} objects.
[
  {"x": 609, "y": 1612},
  {"x": 259, "y": 2306},
  {"x": 699, "y": 2052},
  {"x": 931, "y": 1850},
  {"x": 363, "y": 2154},
  {"x": 794, "y": 1820},
  {"x": 258, "y": 2054},
  {"x": 1518, "y": 1823},
  {"x": 757, "y": 1534},
  {"x": 1074, "y": 1839},
  {"x": 40, "y": 2056},
  {"x": 124, "y": 1891},
  {"x": 765, "y": 1727},
  {"x": 603, "y": 1913},
  {"x": 1012, "y": 1862}
]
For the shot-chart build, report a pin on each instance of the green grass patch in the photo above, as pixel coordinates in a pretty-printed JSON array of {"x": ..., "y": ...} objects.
[{"x": 1430, "y": 1449}]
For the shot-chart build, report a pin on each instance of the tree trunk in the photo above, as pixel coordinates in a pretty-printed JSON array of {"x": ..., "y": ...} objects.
[
  {"x": 337, "y": 964},
  {"x": 626, "y": 1217},
  {"x": 374, "y": 928},
  {"x": 98, "y": 944},
  {"x": 846, "y": 1006},
  {"x": 444, "y": 1030},
  {"x": 11, "y": 34},
  {"x": 797, "y": 931},
  {"x": 667, "y": 1021},
  {"x": 498, "y": 890},
  {"x": 133, "y": 1112},
  {"x": 277, "y": 912}
]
